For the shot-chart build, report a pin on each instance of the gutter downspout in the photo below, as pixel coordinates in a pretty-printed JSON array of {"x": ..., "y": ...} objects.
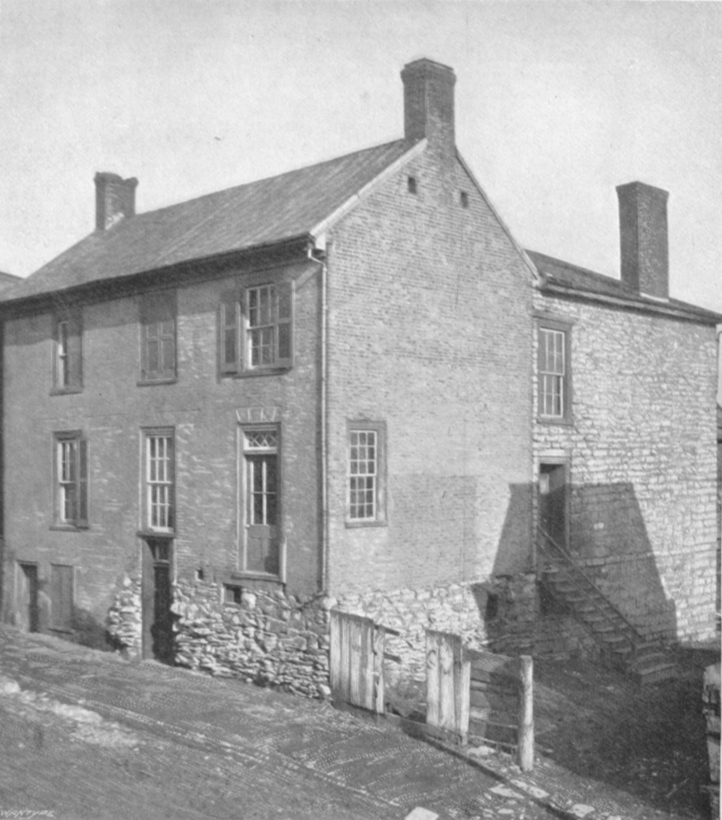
[{"x": 323, "y": 268}]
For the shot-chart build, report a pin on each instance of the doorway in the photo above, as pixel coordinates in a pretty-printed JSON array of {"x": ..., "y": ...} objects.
[
  {"x": 554, "y": 502},
  {"x": 157, "y": 597},
  {"x": 27, "y": 598}
]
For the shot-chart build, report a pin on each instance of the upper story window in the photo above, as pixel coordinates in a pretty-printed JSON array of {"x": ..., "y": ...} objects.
[
  {"x": 158, "y": 332},
  {"x": 554, "y": 372},
  {"x": 67, "y": 354},
  {"x": 256, "y": 328},
  {"x": 71, "y": 480},
  {"x": 159, "y": 481},
  {"x": 366, "y": 495}
]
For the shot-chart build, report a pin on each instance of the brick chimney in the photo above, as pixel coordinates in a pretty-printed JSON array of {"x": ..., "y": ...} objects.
[
  {"x": 114, "y": 199},
  {"x": 643, "y": 238},
  {"x": 429, "y": 103}
]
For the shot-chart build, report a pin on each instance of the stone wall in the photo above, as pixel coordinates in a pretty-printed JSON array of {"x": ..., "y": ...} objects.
[
  {"x": 640, "y": 453},
  {"x": 124, "y": 621},
  {"x": 502, "y": 615},
  {"x": 268, "y": 638}
]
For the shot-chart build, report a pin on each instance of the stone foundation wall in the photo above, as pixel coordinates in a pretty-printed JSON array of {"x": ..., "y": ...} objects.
[
  {"x": 498, "y": 615},
  {"x": 269, "y": 638},
  {"x": 125, "y": 622}
]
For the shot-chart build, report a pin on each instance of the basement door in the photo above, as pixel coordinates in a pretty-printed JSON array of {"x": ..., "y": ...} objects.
[
  {"x": 27, "y": 597},
  {"x": 157, "y": 598},
  {"x": 553, "y": 501}
]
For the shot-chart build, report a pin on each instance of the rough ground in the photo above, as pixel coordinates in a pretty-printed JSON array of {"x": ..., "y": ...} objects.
[{"x": 86, "y": 735}]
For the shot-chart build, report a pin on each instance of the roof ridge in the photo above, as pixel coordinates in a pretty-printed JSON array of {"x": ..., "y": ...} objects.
[{"x": 268, "y": 178}]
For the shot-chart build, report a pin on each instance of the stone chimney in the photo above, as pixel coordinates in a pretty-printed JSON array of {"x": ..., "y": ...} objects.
[
  {"x": 429, "y": 103},
  {"x": 114, "y": 199},
  {"x": 643, "y": 238}
]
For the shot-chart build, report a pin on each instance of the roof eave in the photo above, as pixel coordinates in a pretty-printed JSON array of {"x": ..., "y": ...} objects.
[
  {"x": 214, "y": 265},
  {"x": 699, "y": 315}
]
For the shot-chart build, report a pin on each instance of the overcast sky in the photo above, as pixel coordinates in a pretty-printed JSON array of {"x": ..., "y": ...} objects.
[{"x": 557, "y": 103}]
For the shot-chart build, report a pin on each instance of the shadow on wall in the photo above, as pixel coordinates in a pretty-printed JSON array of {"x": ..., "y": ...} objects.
[{"x": 603, "y": 529}]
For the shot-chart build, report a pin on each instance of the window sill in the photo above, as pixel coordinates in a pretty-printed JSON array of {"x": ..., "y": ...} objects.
[
  {"x": 69, "y": 527},
  {"x": 62, "y": 391},
  {"x": 151, "y": 382},
  {"x": 259, "y": 371},
  {"x": 565, "y": 422},
  {"x": 155, "y": 534},
  {"x": 354, "y": 525},
  {"x": 240, "y": 575}
]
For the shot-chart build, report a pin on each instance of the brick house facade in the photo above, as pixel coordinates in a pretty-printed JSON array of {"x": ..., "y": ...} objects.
[{"x": 225, "y": 417}]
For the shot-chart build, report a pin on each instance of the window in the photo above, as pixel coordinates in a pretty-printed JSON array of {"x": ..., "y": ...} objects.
[
  {"x": 256, "y": 328},
  {"x": 61, "y": 596},
  {"x": 365, "y": 492},
  {"x": 554, "y": 383},
  {"x": 67, "y": 357},
  {"x": 158, "y": 347},
  {"x": 261, "y": 500},
  {"x": 71, "y": 480},
  {"x": 159, "y": 481}
]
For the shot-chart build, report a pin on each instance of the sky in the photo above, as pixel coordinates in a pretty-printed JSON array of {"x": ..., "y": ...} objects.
[{"x": 556, "y": 104}]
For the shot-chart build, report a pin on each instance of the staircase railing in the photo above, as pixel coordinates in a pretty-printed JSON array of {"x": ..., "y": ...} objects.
[{"x": 545, "y": 542}]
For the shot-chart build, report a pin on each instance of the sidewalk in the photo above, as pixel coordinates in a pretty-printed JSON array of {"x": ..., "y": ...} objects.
[{"x": 384, "y": 772}]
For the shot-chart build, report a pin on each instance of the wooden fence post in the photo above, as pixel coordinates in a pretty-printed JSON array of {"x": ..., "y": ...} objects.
[
  {"x": 432, "y": 679},
  {"x": 462, "y": 693},
  {"x": 526, "y": 714}
]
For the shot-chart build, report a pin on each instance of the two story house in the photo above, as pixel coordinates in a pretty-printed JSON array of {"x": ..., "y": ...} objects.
[{"x": 225, "y": 417}]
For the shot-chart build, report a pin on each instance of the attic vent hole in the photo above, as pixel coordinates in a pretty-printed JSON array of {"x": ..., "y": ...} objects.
[
  {"x": 412, "y": 185},
  {"x": 464, "y": 199}
]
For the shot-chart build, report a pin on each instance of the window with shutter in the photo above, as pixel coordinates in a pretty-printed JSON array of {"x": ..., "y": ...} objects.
[
  {"x": 158, "y": 337},
  {"x": 67, "y": 358},
  {"x": 256, "y": 329},
  {"x": 71, "y": 480}
]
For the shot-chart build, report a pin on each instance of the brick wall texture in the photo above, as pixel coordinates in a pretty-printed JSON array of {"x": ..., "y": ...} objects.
[
  {"x": 430, "y": 330},
  {"x": 641, "y": 456}
]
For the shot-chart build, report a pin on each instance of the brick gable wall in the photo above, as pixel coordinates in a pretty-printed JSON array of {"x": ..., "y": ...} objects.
[{"x": 430, "y": 333}]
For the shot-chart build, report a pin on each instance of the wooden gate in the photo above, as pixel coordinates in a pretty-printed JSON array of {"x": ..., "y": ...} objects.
[
  {"x": 447, "y": 684},
  {"x": 472, "y": 693},
  {"x": 356, "y": 661}
]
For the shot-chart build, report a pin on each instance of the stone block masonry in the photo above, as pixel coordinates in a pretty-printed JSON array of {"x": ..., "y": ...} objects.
[{"x": 268, "y": 637}]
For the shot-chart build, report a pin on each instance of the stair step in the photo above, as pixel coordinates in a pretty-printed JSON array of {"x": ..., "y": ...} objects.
[{"x": 666, "y": 670}]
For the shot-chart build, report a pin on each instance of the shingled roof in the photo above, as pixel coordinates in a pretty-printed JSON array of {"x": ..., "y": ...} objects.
[
  {"x": 565, "y": 278},
  {"x": 261, "y": 213}
]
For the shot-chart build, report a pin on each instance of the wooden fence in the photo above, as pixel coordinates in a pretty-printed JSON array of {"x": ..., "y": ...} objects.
[
  {"x": 471, "y": 693},
  {"x": 356, "y": 660}
]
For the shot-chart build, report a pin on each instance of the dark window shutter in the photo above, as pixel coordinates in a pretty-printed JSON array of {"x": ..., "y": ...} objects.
[
  {"x": 75, "y": 353},
  {"x": 229, "y": 333},
  {"x": 82, "y": 484},
  {"x": 158, "y": 335},
  {"x": 61, "y": 596},
  {"x": 284, "y": 320}
]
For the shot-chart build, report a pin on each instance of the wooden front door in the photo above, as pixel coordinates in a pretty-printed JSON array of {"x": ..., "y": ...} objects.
[
  {"x": 553, "y": 500},
  {"x": 27, "y": 597},
  {"x": 157, "y": 597},
  {"x": 262, "y": 513}
]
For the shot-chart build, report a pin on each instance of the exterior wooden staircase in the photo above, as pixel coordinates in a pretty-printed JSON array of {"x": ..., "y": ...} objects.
[{"x": 622, "y": 645}]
